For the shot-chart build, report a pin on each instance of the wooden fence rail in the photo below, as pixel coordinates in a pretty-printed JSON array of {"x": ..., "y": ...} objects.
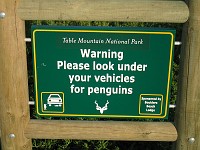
[
  {"x": 104, "y": 10},
  {"x": 101, "y": 130}
]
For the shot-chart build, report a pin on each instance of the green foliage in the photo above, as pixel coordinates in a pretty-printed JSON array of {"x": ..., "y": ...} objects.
[
  {"x": 98, "y": 145},
  {"x": 101, "y": 145}
]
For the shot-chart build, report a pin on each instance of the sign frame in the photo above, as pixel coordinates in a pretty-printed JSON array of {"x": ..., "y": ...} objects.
[{"x": 102, "y": 30}]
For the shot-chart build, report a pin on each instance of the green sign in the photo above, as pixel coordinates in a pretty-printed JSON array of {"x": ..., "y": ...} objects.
[{"x": 102, "y": 71}]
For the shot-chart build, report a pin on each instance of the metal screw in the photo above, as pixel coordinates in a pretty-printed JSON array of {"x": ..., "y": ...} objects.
[
  {"x": 2, "y": 15},
  {"x": 191, "y": 140},
  {"x": 44, "y": 65},
  {"x": 12, "y": 136}
]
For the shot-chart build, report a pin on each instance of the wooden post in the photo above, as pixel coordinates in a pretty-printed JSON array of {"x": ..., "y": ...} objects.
[
  {"x": 14, "y": 109},
  {"x": 187, "y": 117}
]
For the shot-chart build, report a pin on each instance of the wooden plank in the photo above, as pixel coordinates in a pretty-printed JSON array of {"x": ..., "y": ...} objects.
[
  {"x": 104, "y": 10},
  {"x": 101, "y": 130},
  {"x": 14, "y": 109},
  {"x": 187, "y": 116}
]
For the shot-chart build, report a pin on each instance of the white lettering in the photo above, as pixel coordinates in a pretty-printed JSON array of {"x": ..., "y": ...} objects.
[{"x": 87, "y": 53}]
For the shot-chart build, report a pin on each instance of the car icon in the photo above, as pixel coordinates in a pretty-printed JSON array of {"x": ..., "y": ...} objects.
[{"x": 54, "y": 99}]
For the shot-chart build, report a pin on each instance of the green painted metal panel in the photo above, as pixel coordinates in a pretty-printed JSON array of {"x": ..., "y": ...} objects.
[{"x": 102, "y": 71}]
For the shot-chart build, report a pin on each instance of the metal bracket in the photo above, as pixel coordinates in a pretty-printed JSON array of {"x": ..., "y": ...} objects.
[
  {"x": 178, "y": 43},
  {"x": 27, "y": 39}
]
